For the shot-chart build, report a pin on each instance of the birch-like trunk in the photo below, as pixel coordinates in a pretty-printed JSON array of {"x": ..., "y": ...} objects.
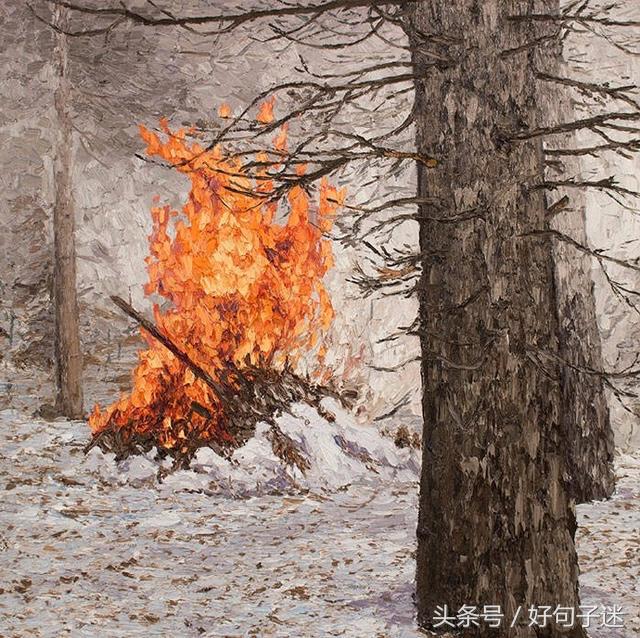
[
  {"x": 68, "y": 357},
  {"x": 497, "y": 514}
]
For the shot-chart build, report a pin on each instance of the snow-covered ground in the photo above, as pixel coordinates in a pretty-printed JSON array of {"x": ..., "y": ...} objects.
[{"x": 89, "y": 547}]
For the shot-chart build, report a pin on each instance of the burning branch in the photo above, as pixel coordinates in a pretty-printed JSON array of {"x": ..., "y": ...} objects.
[
  {"x": 249, "y": 396},
  {"x": 153, "y": 330}
]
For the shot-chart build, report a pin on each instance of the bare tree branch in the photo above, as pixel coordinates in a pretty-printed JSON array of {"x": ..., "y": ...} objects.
[{"x": 227, "y": 21}]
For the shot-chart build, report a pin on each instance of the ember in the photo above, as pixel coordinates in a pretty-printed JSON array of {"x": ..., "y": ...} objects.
[{"x": 240, "y": 295}]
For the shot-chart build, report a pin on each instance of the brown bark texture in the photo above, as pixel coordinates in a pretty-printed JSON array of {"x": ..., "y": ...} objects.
[
  {"x": 585, "y": 411},
  {"x": 497, "y": 514},
  {"x": 68, "y": 357}
]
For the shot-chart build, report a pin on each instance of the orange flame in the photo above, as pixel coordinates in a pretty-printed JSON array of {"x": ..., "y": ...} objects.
[
  {"x": 235, "y": 286},
  {"x": 224, "y": 111},
  {"x": 265, "y": 113}
]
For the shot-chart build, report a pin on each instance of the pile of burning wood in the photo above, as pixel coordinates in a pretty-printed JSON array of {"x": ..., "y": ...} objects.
[
  {"x": 239, "y": 299},
  {"x": 243, "y": 398}
]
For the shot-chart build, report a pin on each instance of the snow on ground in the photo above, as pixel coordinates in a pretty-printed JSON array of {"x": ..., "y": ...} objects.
[
  {"x": 608, "y": 541},
  {"x": 338, "y": 454},
  {"x": 89, "y": 547}
]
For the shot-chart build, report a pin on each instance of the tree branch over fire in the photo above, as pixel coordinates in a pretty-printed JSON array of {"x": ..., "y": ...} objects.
[
  {"x": 323, "y": 102},
  {"x": 227, "y": 21}
]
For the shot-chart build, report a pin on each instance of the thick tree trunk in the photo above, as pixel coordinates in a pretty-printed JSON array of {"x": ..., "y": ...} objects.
[
  {"x": 68, "y": 358},
  {"x": 497, "y": 521}
]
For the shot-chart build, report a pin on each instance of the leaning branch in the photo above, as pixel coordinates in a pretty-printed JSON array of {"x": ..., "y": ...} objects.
[{"x": 153, "y": 330}]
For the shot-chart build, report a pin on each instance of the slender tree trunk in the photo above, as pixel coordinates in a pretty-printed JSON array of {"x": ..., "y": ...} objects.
[
  {"x": 68, "y": 357},
  {"x": 497, "y": 520}
]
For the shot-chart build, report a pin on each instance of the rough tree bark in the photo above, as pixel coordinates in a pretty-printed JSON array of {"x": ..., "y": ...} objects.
[
  {"x": 585, "y": 411},
  {"x": 68, "y": 357},
  {"x": 497, "y": 517}
]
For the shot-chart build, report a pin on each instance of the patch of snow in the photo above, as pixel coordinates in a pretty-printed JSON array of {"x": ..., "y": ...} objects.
[
  {"x": 138, "y": 470},
  {"x": 339, "y": 454},
  {"x": 162, "y": 519},
  {"x": 84, "y": 552},
  {"x": 101, "y": 464}
]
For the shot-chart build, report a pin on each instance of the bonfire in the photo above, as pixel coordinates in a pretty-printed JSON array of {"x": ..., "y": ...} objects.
[{"x": 238, "y": 299}]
